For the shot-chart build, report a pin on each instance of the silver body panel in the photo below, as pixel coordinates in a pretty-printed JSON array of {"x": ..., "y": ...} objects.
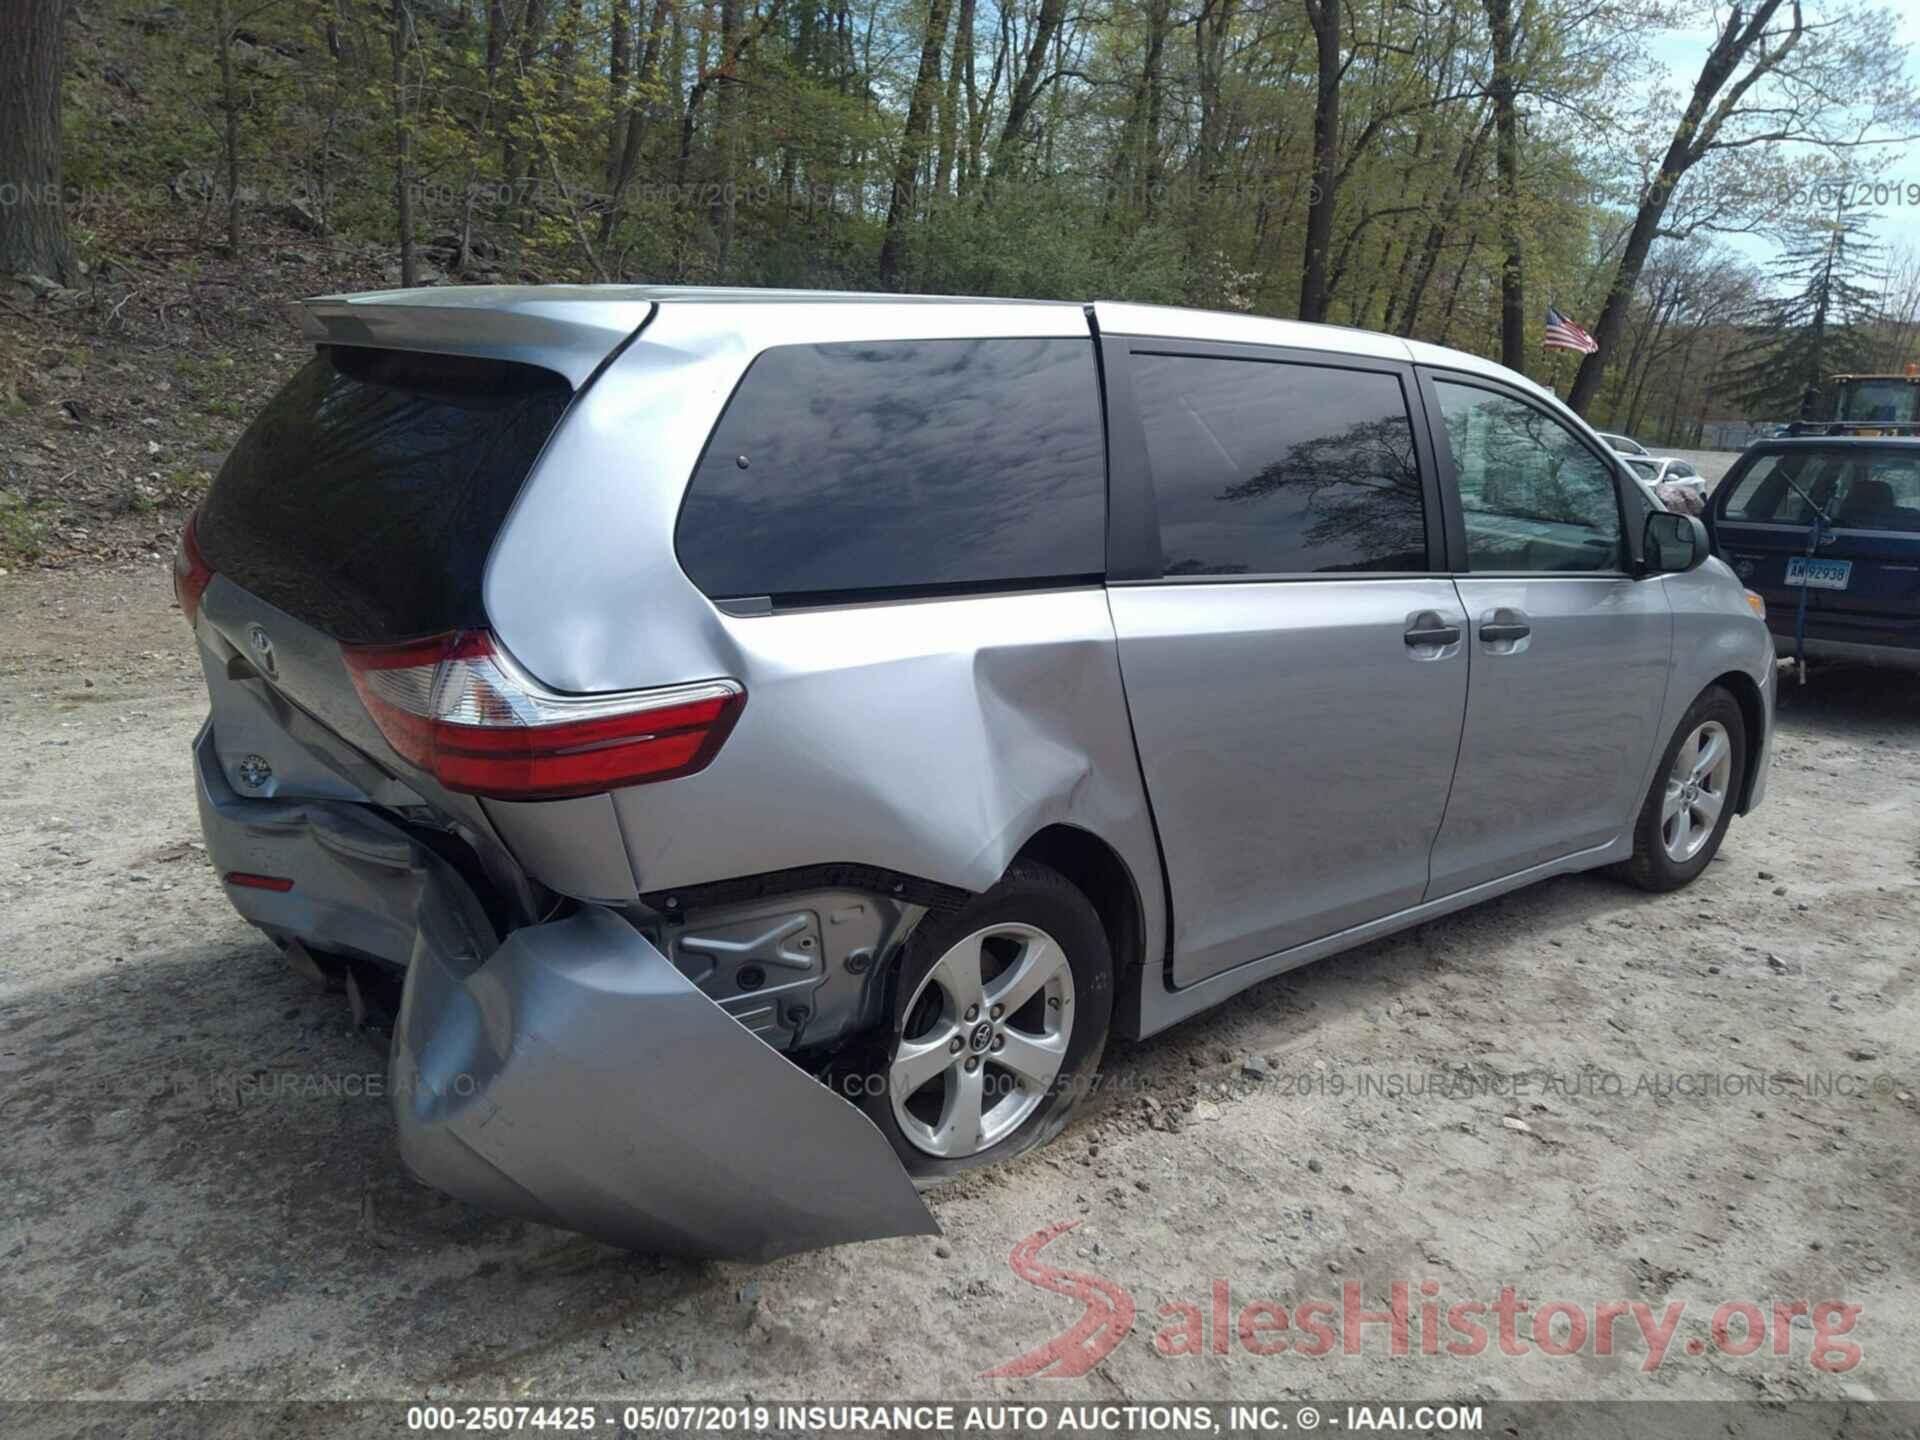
[
  {"x": 1297, "y": 750},
  {"x": 1559, "y": 724},
  {"x": 1279, "y": 774},
  {"x": 863, "y": 723},
  {"x": 504, "y": 1067},
  {"x": 507, "y": 1052}
]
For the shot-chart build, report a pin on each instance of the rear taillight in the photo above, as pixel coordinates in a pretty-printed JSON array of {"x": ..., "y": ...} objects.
[
  {"x": 191, "y": 573},
  {"x": 460, "y": 709},
  {"x": 247, "y": 880}
]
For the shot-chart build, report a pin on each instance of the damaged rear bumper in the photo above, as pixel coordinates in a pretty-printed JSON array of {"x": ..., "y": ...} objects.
[
  {"x": 575, "y": 1076},
  {"x": 569, "y": 1073}
]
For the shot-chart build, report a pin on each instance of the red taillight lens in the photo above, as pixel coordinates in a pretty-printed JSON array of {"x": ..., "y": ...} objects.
[
  {"x": 247, "y": 880},
  {"x": 191, "y": 573},
  {"x": 461, "y": 710}
]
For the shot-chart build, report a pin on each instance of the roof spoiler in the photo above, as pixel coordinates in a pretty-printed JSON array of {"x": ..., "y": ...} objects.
[{"x": 569, "y": 329}]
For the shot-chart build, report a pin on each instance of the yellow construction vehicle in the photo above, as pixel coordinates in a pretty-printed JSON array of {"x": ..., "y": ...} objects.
[{"x": 1869, "y": 405}]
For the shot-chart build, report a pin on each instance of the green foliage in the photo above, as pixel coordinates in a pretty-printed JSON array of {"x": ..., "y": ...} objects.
[
  {"x": 1818, "y": 326},
  {"x": 20, "y": 528},
  {"x": 1164, "y": 157}
]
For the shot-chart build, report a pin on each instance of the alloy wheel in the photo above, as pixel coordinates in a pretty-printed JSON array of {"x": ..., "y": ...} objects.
[
  {"x": 1696, "y": 791},
  {"x": 985, "y": 1035}
]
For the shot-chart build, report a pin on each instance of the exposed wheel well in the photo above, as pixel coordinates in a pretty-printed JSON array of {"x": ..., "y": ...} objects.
[
  {"x": 1102, "y": 876},
  {"x": 1753, "y": 712}
]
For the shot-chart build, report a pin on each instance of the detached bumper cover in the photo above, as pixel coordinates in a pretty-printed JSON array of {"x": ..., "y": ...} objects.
[
  {"x": 570, "y": 1073},
  {"x": 578, "y": 1078}
]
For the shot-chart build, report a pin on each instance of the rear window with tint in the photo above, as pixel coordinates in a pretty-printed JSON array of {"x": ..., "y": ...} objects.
[
  {"x": 1858, "y": 488},
  {"x": 365, "y": 497},
  {"x": 849, "y": 468}
]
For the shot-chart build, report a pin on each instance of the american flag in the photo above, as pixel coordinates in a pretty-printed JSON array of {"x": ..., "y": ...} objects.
[{"x": 1563, "y": 334}]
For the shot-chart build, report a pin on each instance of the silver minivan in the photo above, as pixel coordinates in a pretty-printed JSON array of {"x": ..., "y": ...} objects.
[{"x": 766, "y": 743}]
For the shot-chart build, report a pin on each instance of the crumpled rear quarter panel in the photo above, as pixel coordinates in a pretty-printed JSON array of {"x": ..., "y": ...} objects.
[{"x": 930, "y": 737}]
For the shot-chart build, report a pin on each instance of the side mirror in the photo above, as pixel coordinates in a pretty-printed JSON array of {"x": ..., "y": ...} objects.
[{"x": 1673, "y": 544}]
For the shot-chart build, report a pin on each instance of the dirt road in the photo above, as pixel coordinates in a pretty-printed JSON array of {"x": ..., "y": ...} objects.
[{"x": 199, "y": 1199}]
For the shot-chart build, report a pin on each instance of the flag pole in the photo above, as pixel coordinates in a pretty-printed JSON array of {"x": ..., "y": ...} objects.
[{"x": 1553, "y": 364}]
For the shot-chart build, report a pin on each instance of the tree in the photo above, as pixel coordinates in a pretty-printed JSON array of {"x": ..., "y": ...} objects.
[
  {"x": 1770, "y": 78},
  {"x": 1324, "y": 17},
  {"x": 401, "y": 41},
  {"x": 33, "y": 219},
  {"x": 913, "y": 146},
  {"x": 1027, "y": 83},
  {"x": 1818, "y": 326},
  {"x": 1506, "y": 124},
  {"x": 1407, "y": 165}
]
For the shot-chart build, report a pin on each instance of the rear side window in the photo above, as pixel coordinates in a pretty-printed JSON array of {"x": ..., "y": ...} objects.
[
  {"x": 365, "y": 497},
  {"x": 848, "y": 468},
  {"x": 1859, "y": 489},
  {"x": 1272, "y": 468}
]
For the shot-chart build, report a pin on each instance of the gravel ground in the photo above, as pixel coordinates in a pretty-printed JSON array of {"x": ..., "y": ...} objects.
[{"x": 196, "y": 1204}]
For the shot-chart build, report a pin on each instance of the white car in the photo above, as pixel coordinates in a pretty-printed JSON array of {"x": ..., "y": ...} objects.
[
  {"x": 1646, "y": 487},
  {"x": 1665, "y": 473},
  {"x": 1622, "y": 444}
]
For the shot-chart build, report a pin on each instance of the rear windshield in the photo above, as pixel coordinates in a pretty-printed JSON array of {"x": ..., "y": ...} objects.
[
  {"x": 1858, "y": 489},
  {"x": 365, "y": 497}
]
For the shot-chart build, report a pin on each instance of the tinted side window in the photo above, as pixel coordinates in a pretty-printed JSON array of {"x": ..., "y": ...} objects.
[
  {"x": 902, "y": 464},
  {"x": 1273, "y": 468},
  {"x": 1533, "y": 496}
]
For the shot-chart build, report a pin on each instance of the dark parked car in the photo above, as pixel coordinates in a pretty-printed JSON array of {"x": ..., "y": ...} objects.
[{"x": 1860, "y": 572}]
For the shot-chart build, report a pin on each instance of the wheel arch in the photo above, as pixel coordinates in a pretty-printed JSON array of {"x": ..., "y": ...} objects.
[
  {"x": 1097, "y": 871},
  {"x": 1753, "y": 714}
]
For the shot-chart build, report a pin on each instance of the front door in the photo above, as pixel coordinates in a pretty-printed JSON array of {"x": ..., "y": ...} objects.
[
  {"x": 1569, "y": 655},
  {"x": 1296, "y": 667}
]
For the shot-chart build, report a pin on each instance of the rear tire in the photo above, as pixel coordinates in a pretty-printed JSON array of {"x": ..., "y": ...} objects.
[
  {"x": 999, "y": 1018},
  {"x": 1691, "y": 801}
]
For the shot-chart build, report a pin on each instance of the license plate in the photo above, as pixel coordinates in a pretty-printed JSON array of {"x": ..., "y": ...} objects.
[{"x": 1819, "y": 574}]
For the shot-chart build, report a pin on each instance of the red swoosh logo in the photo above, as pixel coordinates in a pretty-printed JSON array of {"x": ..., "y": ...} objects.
[{"x": 1107, "y": 1321}]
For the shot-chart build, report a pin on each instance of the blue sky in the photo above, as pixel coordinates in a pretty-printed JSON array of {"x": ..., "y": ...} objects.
[{"x": 1680, "y": 53}]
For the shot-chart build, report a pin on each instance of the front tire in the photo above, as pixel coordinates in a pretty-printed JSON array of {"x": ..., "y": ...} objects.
[
  {"x": 1691, "y": 801},
  {"x": 1000, "y": 1016}
]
